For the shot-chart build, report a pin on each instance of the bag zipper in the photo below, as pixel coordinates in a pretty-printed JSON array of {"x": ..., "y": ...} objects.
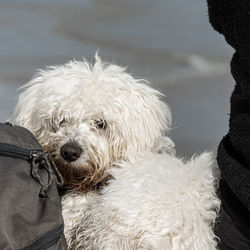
[
  {"x": 34, "y": 156},
  {"x": 17, "y": 152},
  {"x": 48, "y": 240},
  {"x": 37, "y": 158}
]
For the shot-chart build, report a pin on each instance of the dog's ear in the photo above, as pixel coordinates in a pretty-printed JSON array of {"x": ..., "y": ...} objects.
[{"x": 23, "y": 112}]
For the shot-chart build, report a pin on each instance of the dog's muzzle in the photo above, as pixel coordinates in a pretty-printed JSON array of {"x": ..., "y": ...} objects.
[{"x": 71, "y": 151}]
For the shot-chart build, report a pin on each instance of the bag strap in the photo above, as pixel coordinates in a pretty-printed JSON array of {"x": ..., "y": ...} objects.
[{"x": 38, "y": 159}]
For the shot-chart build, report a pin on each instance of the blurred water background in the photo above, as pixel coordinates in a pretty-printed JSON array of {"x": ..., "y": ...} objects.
[{"x": 168, "y": 42}]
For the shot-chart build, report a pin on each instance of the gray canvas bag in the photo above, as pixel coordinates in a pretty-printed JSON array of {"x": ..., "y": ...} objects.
[{"x": 30, "y": 207}]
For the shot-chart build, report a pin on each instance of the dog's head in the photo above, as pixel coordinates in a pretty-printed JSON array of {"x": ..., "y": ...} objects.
[{"x": 88, "y": 117}]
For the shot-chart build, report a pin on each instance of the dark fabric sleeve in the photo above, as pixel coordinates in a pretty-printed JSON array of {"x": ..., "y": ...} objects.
[{"x": 231, "y": 18}]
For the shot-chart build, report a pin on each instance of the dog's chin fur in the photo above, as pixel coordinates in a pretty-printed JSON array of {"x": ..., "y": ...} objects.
[
  {"x": 112, "y": 116},
  {"x": 81, "y": 178}
]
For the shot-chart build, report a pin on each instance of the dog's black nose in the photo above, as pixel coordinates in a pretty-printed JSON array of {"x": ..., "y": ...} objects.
[{"x": 71, "y": 151}]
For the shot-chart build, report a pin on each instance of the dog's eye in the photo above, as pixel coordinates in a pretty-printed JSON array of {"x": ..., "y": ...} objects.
[
  {"x": 62, "y": 123},
  {"x": 100, "y": 124}
]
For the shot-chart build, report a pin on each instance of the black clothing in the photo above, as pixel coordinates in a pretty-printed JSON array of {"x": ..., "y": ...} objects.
[{"x": 232, "y": 19}]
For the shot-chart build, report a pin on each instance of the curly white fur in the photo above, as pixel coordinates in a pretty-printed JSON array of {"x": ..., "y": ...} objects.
[
  {"x": 155, "y": 201},
  {"x": 66, "y": 103}
]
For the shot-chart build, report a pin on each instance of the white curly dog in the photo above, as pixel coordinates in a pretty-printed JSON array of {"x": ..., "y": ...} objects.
[{"x": 126, "y": 188}]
